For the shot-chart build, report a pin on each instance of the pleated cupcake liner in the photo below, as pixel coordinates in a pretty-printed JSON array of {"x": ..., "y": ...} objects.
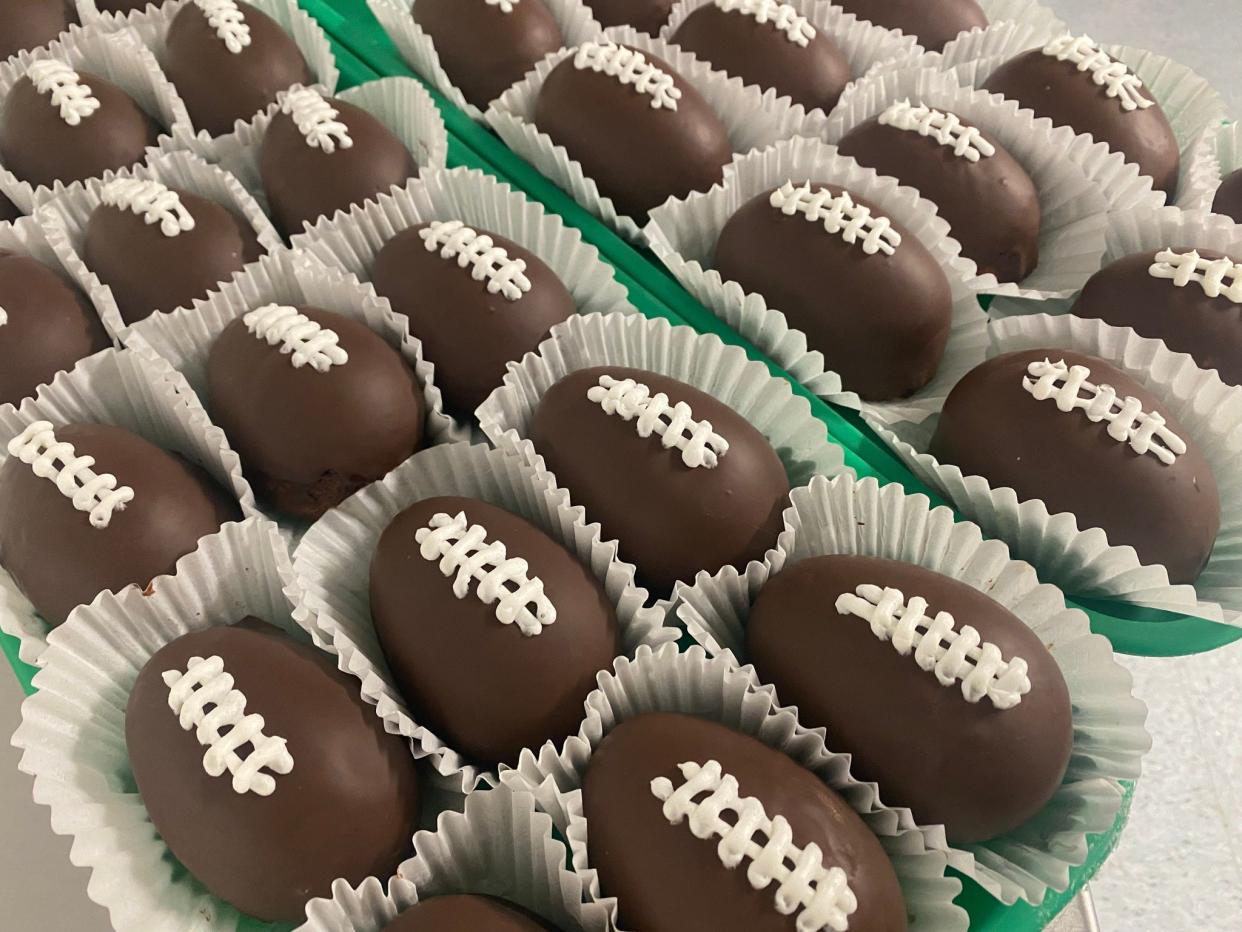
[
  {"x": 845, "y": 516},
  {"x": 754, "y": 119},
  {"x": 1216, "y": 154},
  {"x": 417, "y": 49},
  {"x": 1033, "y": 19},
  {"x": 120, "y": 57},
  {"x": 64, "y": 219},
  {"x": 664, "y": 680}
]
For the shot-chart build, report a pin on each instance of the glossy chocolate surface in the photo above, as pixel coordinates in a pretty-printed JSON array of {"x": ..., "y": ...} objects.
[
  {"x": 1228, "y": 199},
  {"x": 644, "y": 15},
  {"x": 464, "y": 912},
  {"x": 28, "y": 24}
]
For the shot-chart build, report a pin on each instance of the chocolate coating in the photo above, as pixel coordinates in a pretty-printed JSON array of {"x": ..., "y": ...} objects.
[
  {"x": 50, "y": 326},
  {"x": 672, "y": 520},
  {"x": 464, "y": 912},
  {"x": 173, "y": 270},
  {"x": 220, "y": 87},
  {"x": 28, "y": 24},
  {"x": 309, "y": 439},
  {"x": 469, "y": 333},
  {"x": 59, "y": 560},
  {"x": 304, "y": 183},
  {"x": 1228, "y": 199},
  {"x": 881, "y": 321},
  {"x": 1069, "y": 97},
  {"x": 978, "y": 770},
  {"x": 934, "y": 22},
  {"x": 41, "y": 148},
  {"x": 992, "y": 205},
  {"x": 8, "y": 210},
  {"x": 486, "y": 688},
  {"x": 123, "y": 6},
  {"x": 638, "y": 155},
  {"x": 763, "y": 54},
  {"x": 644, "y": 15},
  {"x": 667, "y": 879},
  {"x": 484, "y": 49},
  {"x": 992, "y": 427},
  {"x": 347, "y": 809}
]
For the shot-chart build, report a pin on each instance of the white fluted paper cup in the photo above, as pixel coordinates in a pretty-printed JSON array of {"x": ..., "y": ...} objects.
[
  {"x": 754, "y": 119},
  {"x": 844, "y": 516},
  {"x": 1215, "y": 155}
]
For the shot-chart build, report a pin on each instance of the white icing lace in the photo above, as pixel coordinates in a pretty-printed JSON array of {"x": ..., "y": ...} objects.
[
  {"x": 840, "y": 215},
  {"x": 463, "y": 549},
  {"x": 945, "y": 128},
  {"x": 299, "y": 337},
  {"x": 506, "y": 6},
  {"x": 1144, "y": 431},
  {"x": 952, "y": 654},
  {"x": 96, "y": 494},
  {"x": 797, "y": 28},
  {"x": 675, "y": 425},
  {"x": 804, "y": 883},
  {"x": 225, "y": 727},
  {"x": 316, "y": 119},
  {"x": 631, "y": 68},
  {"x": 229, "y": 22},
  {"x": 58, "y": 79},
  {"x": 487, "y": 261},
  {"x": 1116, "y": 79},
  {"x": 1217, "y": 277},
  {"x": 150, "y": 200}
]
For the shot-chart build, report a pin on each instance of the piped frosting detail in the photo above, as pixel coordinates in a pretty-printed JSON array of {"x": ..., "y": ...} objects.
[
  {"x": 4, "y": 317},
  {"x": 299, "y": 337},
  {"x": 967, "y": 142},
  {"x": 840, "y": 215},
  {"x": 99, "y": 495},
  {"x": 797, "y": 28},
  {"x": 316, "y": 120},
  {"x": 951, "y": 654},
  {"x": 152, "y": 201},
  {"x": 64, "y": 85},
  {"x": 674, "y": 424},
  {"x": 506, "y": 6},
  {"x": 478, "y": 252},
  {"x": 819, "y": 894},
  {"x": 1219, "y": 278},
  {"x": 1117, "y": 80},
  {"x": 229, "y": 22},
  {"x": 629, "y": 67}
]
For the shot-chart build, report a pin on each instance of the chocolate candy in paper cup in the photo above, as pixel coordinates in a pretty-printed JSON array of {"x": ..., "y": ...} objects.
[
  {"x": 938, "y": 24},
  {"x": 27, "y": 26},
  {"x": 1214, "y": 173}
]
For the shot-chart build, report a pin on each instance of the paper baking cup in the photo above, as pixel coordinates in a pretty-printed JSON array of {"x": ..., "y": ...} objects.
[
  {"x": 754, "y": 119},
  {"x": 64, "y": 219},
  {"x": 844, "y": 516},
  {"x": 419, "y": 52},
  {"x": 664, "y": 680},
  {"x": 500, "y": 846},
  {"x": 1215, "y": 154},
  {"x": 116, "y": 55}
]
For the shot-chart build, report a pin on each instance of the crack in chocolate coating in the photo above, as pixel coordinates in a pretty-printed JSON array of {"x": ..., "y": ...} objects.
[
  {"x": 347, "y": 809},
  {"x": 29, "y": 24},
  {"x": 644, "y": 15},
  {"x": 1228, "y": 199},
  {"x": 978, "y": 770},
  {"x": 667, "y": 880},
  {"x": 992, "y": 427},
  {"x": 465, "y": 912},
  {"x": 59, "y": 560},
  {"x": 881, "y": 321},
  {"x": 934, "y": 22}
]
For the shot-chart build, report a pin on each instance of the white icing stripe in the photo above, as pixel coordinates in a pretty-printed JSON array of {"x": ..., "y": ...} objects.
[
  {"x": 797, "y": 28},
  {"x": 839, "y": 215},
  {"x": 96, "y": 494},
  {"x": 4, "y": 317},
  {"x": 150, "y": 200},
  {"x": 675, "y": 425},
  {"x": 478, "y": 252},
  {"x": 506, "y": 6},
  {"x": 464, "y": 551},
  {"x": 951, "y": 654},
  {"x": 1219, "y": 278},
  {"x": 225, "y": 728},
  {"x": 1116, "y": 79},
  {"x": 630, "y": 68},
  {"x": 316, "y": 119},
  {"x": 1144, "y": 431},
  {"x": 945, "y": 128},
  {"x": 227, "y": 19},
  {"x": 804, "y": 883},
  {"x": 299, "y": 337},
  {"x": 58, "y": 79}
]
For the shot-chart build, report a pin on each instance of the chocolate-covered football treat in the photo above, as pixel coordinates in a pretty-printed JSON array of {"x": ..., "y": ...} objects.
[
  {"x": 475, "y": 299},
  {"x": 475, "y": 607},
  {"x": 28, "y": 24},
  {"x": 934, "y": 23},
  {"x": 484, "y": 46},
  {"x": 8, "y": 210},
  {"x": 981, "y": 190},
  {"x": 639, "y": 130},
  {"x": 89, "y": 507},
  {"x": 46, "y": 326},
  {"x": 228, "y": 61},
  {"x": 659, "y": 781},
  {"x": 187, "y": 246},
  {"x": 1228, "y": 199},
  {"x": 644, "y": 15},
  {"x": 866, "y": 292},
  {"x": 265, "y": 771},
  {"x": 681, "y": 479},
  {"x": 1073, "y": 82},
  {"x": 321, "y": 155},
  {"x": 464, "y": 912},
  {"x": 64, "y": 125},
  {"x": 1085, "y": 438},
  {"x": 949, "y": 702},
  {"x": 770, "y": 45},
  {"x": 316, "y": 404}
]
